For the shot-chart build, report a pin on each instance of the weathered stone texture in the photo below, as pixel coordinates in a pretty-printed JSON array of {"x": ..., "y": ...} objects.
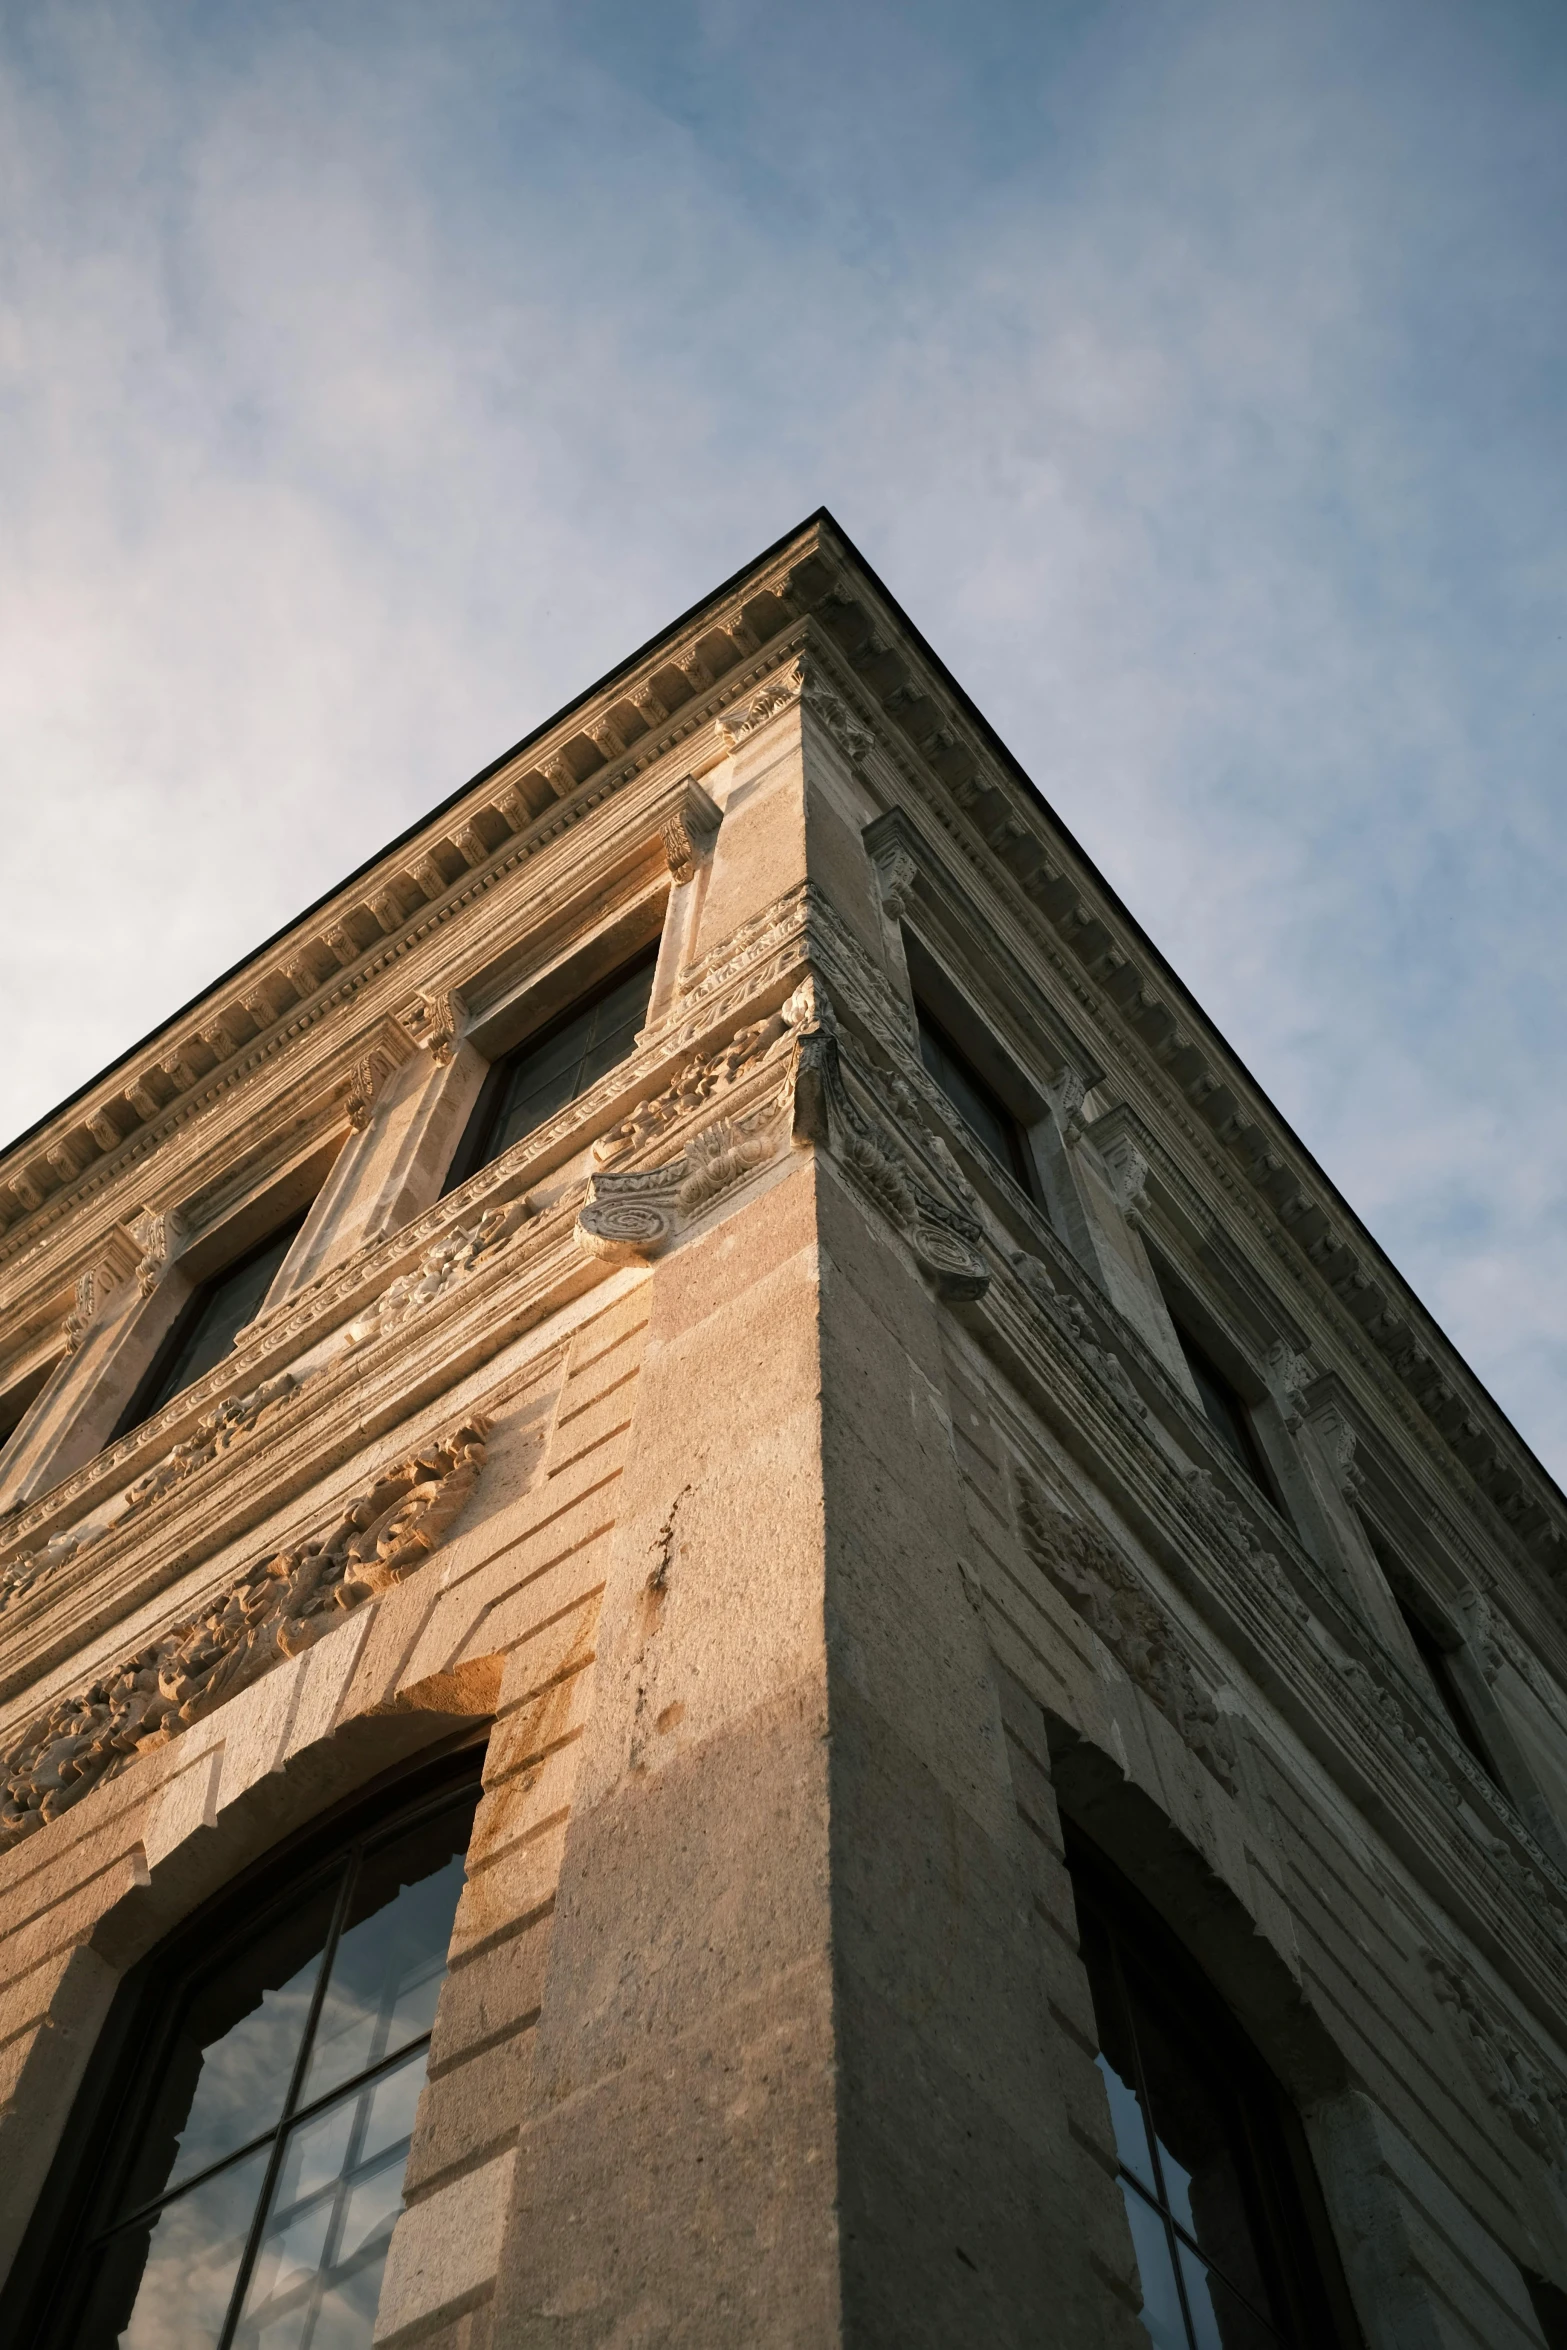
[{"x": 850, "y": 1536}]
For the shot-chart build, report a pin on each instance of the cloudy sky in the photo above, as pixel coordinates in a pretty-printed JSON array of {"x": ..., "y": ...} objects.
[{"x": 374, "y": 375}]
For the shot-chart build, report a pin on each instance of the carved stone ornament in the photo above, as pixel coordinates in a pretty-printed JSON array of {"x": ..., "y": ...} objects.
[
  {"x": 896, "y": 874},
  {"x": 1511, "y": 2083},
  {"x": 701, "y": 1082},
  {"x": 1337, "y": 1439},
  {"x": 777, "y": 694},
  {"x": 1067, "y": 1096},
  {"x": 1071, "y": 1319},
  {"x": 944, "y": 1240},
  {"x": 371, "y": 1071},
  {"x": 639, "y": 1212},
  {"x": 1091, "y": 1574},
  {"x": 281, "y": 1607},
  {"x": 149, "y": 1228},
  {"x": 802, "y": 681},
  {"x": 1290, "y": 1373},
  {"x": 1128, "y": 1171},
  {"x": 687, "y": 833},
  {"x": 78, "y": 1321},
  {"x": 213, "y": 1433},
  {"x": 433, "y": 1021},
  {"x": 443, "y": 1265}
]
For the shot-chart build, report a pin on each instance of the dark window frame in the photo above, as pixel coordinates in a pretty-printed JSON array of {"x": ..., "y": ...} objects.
[
  {"x": 1232, "y": 1420},
  {"x": 1018, "y": 1159},
  {"x": 20, "y": 1397},
  {"x": 1436, "y": 1660},
  {"x": 1293, "y": 2238},
  {"x": 475, "y": 1149},
  {"x": 120, "y": 2081},
  {"x": 153, "y": 1389}
]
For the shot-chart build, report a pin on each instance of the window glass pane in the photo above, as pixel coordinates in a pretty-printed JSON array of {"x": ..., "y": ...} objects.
[
  {"x": 1220, "y": 2319},
  {"x": 339, "y": 2190},
  {"x": 969, "y": 1094},
  {"x": 541, "y": 1080},
  {"x": 1161, "y": 2314},
  {"x": 220, "y": 1307},
  {"x": 1202, "y": 2152},
  {"x": 233, "y": 2052},
  {"x": 391, "y": 1958},
  {"x": 166, "y": 2284}
]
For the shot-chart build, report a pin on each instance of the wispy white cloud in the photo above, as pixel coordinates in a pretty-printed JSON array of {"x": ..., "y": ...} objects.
[{"x": 372, "y": 378}]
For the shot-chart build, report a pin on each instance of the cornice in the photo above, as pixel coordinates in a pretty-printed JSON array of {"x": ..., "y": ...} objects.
[
  {"x": 925, "y": 731},
  {"x": 985, "y": 804},
  {"x": 523, "y": 804}
]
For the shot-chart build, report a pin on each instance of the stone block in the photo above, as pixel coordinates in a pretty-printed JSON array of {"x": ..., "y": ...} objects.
[{"x": 444, "y": 2250}]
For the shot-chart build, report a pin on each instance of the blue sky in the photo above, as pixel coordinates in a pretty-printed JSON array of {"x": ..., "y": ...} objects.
[{"x": 373, "y": 376}]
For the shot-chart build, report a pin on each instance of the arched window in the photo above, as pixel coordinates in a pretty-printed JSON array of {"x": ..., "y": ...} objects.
[
  {"x": 233, "y": 2171},
  {"x": 1231, "y": 2236}
]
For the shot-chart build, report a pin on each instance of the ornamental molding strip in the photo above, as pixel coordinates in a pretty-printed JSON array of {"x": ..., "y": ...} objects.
[
  {"x": 1091, "y": 1574},
  {"x": 277, "y": 1609},
  {"x": 442, "y": 1267}
]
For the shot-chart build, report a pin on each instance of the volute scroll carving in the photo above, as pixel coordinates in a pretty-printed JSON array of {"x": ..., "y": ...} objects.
[
  {"x": 79, "y": 1320},
  {"x": 151, "y": 1230},
  {"x": 279, "y": 1608}
]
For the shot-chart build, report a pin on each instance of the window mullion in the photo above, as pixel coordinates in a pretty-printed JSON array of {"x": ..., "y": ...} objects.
[{"x": 286, "y": 2117}]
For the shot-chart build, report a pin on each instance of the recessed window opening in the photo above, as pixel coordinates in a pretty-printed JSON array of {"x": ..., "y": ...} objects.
[
  {"x": 978, "y": 1103},
  {"x": 1550, "y": 2308},
  {"x": 1227, "y": 1412},
  {"x": 1439, "y": 1671},
  {"x": 1232, "y": 2244},
  {"x": 208, "y": 1322},
  {"x": 254, "y": 2144},
  {"x": 17, "y": 1399},
  {"x": 549, "y": 1070}
]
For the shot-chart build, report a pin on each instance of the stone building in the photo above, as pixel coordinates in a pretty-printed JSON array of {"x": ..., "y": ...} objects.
[{"x": 733, "y": 1611}]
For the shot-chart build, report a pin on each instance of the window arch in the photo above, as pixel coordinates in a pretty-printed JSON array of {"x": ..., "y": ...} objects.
[
  {"x": 1232, "y": 2239},
  {"x": 235, "y": 2164}
]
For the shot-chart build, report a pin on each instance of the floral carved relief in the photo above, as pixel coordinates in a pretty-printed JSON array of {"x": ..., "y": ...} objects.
[
  {"x": 281, "y": 1607},
  {"x": 441, "y": 1268},
  {"x": 1091, "y": 1574}
]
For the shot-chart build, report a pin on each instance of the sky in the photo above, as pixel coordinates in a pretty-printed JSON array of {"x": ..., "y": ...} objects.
[{"x": 373, "y": 376}]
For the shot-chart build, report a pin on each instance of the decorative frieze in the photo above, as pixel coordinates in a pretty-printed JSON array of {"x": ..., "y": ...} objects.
[
  {"x": 277, "y": 1609},
  {"x": 1512, "y": 2084},
  {"x": 1090, "y": 1573},
  {"x": 1071, "y": 1319},
  {"x": 703, "y": 1081},
  {"x": 803, "y": 680},
  {"x": 443, "y": 1265}
]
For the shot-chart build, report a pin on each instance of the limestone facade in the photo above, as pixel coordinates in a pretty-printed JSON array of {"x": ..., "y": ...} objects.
[{"x": 825, "y": 1521}]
